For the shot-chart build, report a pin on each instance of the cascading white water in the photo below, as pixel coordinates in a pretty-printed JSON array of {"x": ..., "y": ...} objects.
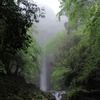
[
  {"x": 58, "y": 94},
  {"x": 43, "y": 70}
]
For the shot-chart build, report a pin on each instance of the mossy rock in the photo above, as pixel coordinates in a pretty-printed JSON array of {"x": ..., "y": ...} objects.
[
  {"x": 49, "y": 96},
  {"x": 16, "y": 88}
]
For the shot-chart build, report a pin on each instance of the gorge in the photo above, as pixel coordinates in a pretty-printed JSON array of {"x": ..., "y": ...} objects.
[{"x": 47, "y": 28}]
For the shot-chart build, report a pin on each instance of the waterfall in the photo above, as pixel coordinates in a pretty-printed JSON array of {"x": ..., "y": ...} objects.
[
  {"x": 43, "y": 71},
  {"x": 47, "y": 28},
  {"x": 46, "y": 70}
]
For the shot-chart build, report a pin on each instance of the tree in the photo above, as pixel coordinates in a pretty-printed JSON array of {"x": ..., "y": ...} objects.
[
  {"x": 81, "y": 62},
  {"x": 16, "y": 18}
]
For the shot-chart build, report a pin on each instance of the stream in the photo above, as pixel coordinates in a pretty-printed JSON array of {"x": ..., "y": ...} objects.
[{"x": 58, "y": 94}]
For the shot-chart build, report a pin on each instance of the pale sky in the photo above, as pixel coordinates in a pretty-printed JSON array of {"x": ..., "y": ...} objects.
[{"x": 54, "y": 4}]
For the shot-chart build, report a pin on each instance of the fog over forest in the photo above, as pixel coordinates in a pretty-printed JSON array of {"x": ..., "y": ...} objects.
[{"x": 49, "y": 25}]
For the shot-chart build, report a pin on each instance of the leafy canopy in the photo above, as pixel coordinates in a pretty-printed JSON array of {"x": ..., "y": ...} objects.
[{"x": 15, "y": 19}]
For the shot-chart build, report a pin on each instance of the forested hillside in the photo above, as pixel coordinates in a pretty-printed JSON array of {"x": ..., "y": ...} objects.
[
  {"x": 19, "y": 50},
  {"x": 78, "y": 58}
]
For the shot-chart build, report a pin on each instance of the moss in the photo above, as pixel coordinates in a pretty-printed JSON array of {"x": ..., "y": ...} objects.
[{"x": 49, "y": 96}]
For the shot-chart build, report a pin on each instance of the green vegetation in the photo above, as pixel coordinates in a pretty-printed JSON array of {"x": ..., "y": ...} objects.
[
  {"x": 78, "y": 58},
  {"x": 19, "y": 50},
  {"x": 14, "y": 22},
  {"x": 55, "y": 42},
  {"x": 77, "y": 51}
]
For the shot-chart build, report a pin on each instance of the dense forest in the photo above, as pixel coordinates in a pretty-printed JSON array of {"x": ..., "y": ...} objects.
[
  {"x": 77, "y": 57},
  {"x": 19, "y": 50},
  {"x": 77, "y": 53}
]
